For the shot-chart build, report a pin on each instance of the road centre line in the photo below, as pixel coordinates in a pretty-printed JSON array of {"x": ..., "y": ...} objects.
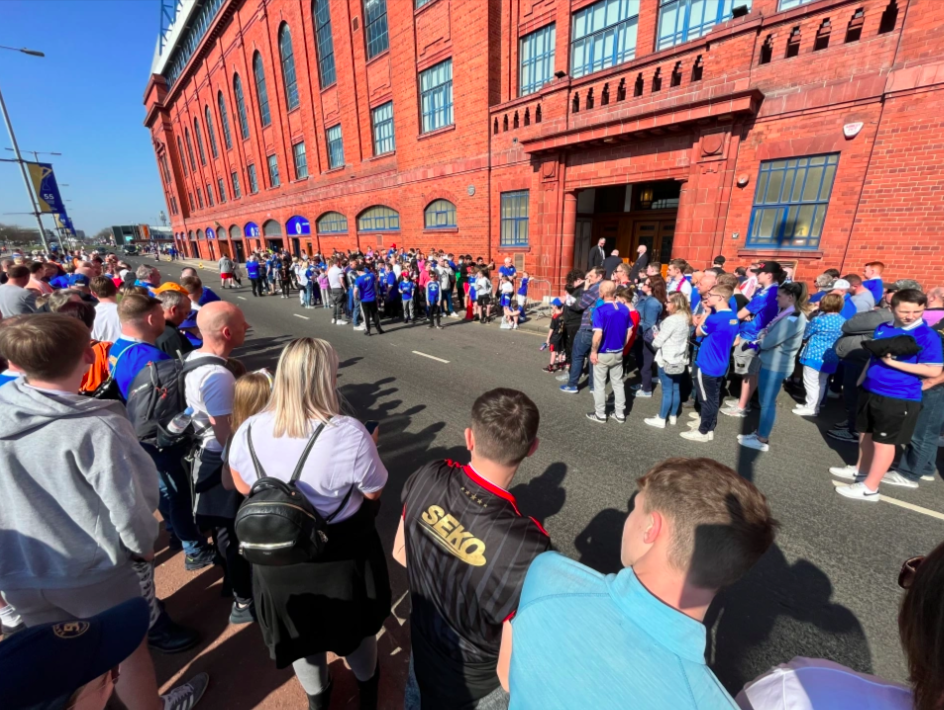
[
  {"x": 437, "y": 359},
  {"x": 902, "y": 504},
  {"x": 240, "y": 298},
  {"x": 299, "y": 315}
]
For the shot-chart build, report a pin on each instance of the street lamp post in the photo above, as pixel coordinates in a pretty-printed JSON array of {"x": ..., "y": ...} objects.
[{"x": 19, "y": 158}]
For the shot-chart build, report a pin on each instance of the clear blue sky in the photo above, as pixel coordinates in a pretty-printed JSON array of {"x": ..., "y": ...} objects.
[{"x": 84, "y": 100}]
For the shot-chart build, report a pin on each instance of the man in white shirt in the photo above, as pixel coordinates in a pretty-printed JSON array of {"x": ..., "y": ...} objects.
[
  {"x": 107, "y": 327},
  {"x": 336, "y": 291},
  {"x": 677, "y": 282}
]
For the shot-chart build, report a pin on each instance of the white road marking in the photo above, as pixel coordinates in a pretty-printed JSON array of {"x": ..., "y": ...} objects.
[
  {"x": 397, "y": 603},
  {"x": 437, "y": 359},
  {"x": 298, "y": 315},
  {"x": 240, "y": 298},
  {"x": 902, "y": 504}
]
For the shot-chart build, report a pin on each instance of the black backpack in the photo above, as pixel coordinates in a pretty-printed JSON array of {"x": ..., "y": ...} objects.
[
  {"x": 157, "y": 395},
  {"x": 277, "y": 525},
  {"x": 109, "y": 388}
]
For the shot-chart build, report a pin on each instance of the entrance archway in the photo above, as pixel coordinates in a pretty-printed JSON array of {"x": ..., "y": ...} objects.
[{"x": 272, "y": 231}]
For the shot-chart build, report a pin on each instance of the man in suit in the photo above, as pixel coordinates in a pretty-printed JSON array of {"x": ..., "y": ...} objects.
[
  {"x": 642, "y": 261},
  {"x": 611, "y": 262},
  {"x": 597, "y": 254}
]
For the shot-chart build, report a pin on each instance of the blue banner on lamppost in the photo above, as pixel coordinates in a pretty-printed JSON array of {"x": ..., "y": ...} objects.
[{"x": 47, "y": 191}]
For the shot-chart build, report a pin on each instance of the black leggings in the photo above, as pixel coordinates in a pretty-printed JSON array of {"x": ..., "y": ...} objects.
[{"x": 369, "y": 308}]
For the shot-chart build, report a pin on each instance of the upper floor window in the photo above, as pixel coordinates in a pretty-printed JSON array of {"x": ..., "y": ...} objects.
[
  {"x": 210, "y": 194},
  {"x": 241, "y": 107},
  {"x": 199, "y": 135},
  {"x": 440, "y": 214},
  {"x": 378, "y": 219},
  {"x": 200, "y": 197},
  {"x": 382, "y": 120},
  {"x": 237, "y": 192},
  {"x": 301, "y": 161},
  {"x": 210, "y": 132},
  {"x": 790, "y": 4},
  {"x": 537, "y": 60},
  {"x": 604, "y": 35},
  {"x": 375, "y": 27},
  {"x": 790, "y": 201},
  {"x": 324, "y": 43},
  {"x": 221, "y": 186},
  {"x": 224, "y": 120},
  {"x": 273, "y": 171},
  {"x": 683, "y": 20},
  {"x": 288, "y": 67},
  {"x": 253, "y": 179},
  {"x": 332, "y": 223},
  {"x": 420, "y": 3},
  {"x": 180, "y": 150},
  {"x": 335, "y": 147},
  {"x": 261, "y": 94},
  {"x": 193, "y": 165},
  {"x": 436, "y": 96},
  {"x": 514, "y": 219},
  {"x": 190, "y": 197}
]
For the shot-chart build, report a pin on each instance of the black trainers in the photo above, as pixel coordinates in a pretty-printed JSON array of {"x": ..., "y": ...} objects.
[
  {"x": 843, "y": 435},
  {"x": 186, "y": 695},
  {"x": 167, "y": 636},
  {"x": 243, "y": 613},
  {"x": 204, "y": 558},
  {"x": 592, "y": 416}
]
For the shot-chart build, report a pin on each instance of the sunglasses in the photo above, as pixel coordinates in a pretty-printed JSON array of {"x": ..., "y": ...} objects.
[{"x": 908, "y": 571}]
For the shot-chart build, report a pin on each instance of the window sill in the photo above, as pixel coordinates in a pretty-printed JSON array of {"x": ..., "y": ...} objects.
[
  {"x": 379, "y": 55},
  {"x": 329, "y": 86},
  {"x": 293, "y": 110},
  {"x": 512, "y": 250},
  {"x": 302, "y": 179},
  {"x": 338, "y": 169},
  {"x": 437, "y": 132},
  {"x": 381, "y": 156},
  {"x": 332, "y": 234},
  {"x": 440, "y": 230},
  {"x": 815, "y": 253}
]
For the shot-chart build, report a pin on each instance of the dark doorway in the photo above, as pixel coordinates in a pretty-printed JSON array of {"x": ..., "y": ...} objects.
[
  {"x": 275, "y": 244},
  {"x": 212, "y": 250},
  {"x": 238, "y": 248},
  {"x": 296, "y": 246}
]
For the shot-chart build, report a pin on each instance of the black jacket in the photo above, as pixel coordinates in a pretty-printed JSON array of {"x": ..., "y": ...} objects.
[
  {"x": 610, "y": 264},
  {"x": 172, "y": 340},
  {"x": 597, "y": 257},
  {"x": 857, "y": 330}
]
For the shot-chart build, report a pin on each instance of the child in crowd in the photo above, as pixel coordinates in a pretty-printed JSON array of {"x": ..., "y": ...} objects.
[
  {"x": 555, "y": 337},
  {"x": 406, "y": 295},
  {"x": 483, "y": 293},
  {"x": 324, "y": 287},
  {"x": 506, "y": 297},
  {"x": 434, "y": 300}
]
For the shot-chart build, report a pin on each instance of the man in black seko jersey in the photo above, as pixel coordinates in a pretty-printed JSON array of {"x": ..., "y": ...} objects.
[{"x": 469, "y": 548}]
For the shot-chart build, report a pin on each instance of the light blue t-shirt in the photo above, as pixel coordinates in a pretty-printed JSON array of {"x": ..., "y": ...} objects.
[{"x": 585, "y": 640}]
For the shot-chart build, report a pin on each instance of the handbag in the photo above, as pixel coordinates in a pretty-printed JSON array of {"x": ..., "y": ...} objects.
[
  {"x": 674, "y": 368},
  {"x": 277, "y": 525}
]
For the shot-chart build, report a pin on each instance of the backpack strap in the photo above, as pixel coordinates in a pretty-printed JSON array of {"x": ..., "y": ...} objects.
[
  {"x": 347, "y": 497},
  {"x": 301, "y": 462}
]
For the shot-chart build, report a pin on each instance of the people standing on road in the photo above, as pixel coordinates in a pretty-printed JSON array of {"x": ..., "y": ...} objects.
[
  {"x": 336, "y": 290},
  {"x": 573, "y": 288},
  {"x": 555, "y": 337},
  {"x": 227, "y": 272},
  {"x": 651, "y": 306},
  {"x": 347, "y": 589},
  {"x": 365, "y": 293},
  {"x": 15, "y": 298},
  {"x": 107, "y": 324},
  {"x": 142, "y": 323},
  {"x": 611, "y": 324},
  {"x": 819, "y": 357},
  {"x": 677, "y": 282},
  {"x": 206, "y": 294},
  {"x": 934, "y": 312},
  {"x": 465, "y": 589},
  {"x": 434, "y": 299},
  {"x": 254, "y": 272},
  {"x": 406, "y": 289},
  {"x": 583, "y": 338},
  {"x": 861, "y": 297},
  {"x": 483, "y": 296},
  {"x": 671, "y": 345},
  {"x": 695, "y": 527}
]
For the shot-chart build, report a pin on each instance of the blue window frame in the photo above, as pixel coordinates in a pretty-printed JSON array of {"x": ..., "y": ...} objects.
[
  {"x": 261, "y": 94},
  {"x": 301, "y": 160},
  {"x": 224, "y": 120},
  {"x": 440, "y": 214},
  {"x": 790, "y": 4},
  {"x": 241, "y": 107},
  {"x": 237, "y": 192},
  {"x": 253, "y": 179},
  {"x": 375, "y": 27},
  {"x": 436, "y": 96},
  {"x": 684, "y": 20},
  {"x": 288, "y": 67},
  {"x": 273, "y": 171},
  {"x": 199, "y": 135},
  {"x": 537, "y": 60},
  {"x": 331, "y": 223},
  {"x": 210, "y": 132},
  {"x": 382, "y": 120},
  {"x": 790, "y": 201},
  {"x": 604, "y": 35},
  {"x": 378, "y": 219},
  {"x": 221, "y": 186},
  {"x": 514, "y": 219},
  {"x": 324, "y": 43},
  {"x": 335, "y": 147}
]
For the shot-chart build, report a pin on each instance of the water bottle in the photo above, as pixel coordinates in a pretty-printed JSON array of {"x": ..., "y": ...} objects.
[
  {"x": 543, "y": 346},
  {"x": 179, "y": 424}
]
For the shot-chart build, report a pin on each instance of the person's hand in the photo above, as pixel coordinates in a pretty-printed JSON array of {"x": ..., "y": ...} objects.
[
  {"x": 375, "y": 434},
  {"x": 594, "y": 358},
  {"x": 929, "y": 383},
  {"x": 888, "y": 358}
]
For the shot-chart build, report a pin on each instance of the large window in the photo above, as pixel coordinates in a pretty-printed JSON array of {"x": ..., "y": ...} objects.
[
  {"x": 682, "y": 20},
  {"x": 288, "y": 67},
  {"x": 324, "y": 43},
  {"x": 200, "y": 197},
  {"x": 537, "y": 60},
  {"x": 440, "y": 214},
  {"x": 382, "y": 120},
  {"x": 237, "y": 192},
  {"x": 436, "y": 96},
  {"x": 790, "y": 201},
  {"x": 378, "y": 219},
  {"x": 790, "y": 4},
  {"x": 253, "y": 179},
  {"x": 221, "y": 186},
  {"x": 604, "y": 35},
  {"x": 193, "y": 165},
  {"x": 514, "y": 219},
  {"x": 241, "y": 107},
  {"x": 199, "y": 134},
  {"x": 420, "y": 3},
  {"x": 273, "y": 171},
  {"x": 210, "y": 132},
  {"x": 375, "y": 27},
  {"x": 210, "y": 194},
  {"x": 331, "y": 223},
  {"x": 261, "y": 94},
  {"x": 224, "y": 121},
  {"x": 301, "y": 161},
  {"x": 335, "y": 147},
  {"x": 180, "y": 151}
]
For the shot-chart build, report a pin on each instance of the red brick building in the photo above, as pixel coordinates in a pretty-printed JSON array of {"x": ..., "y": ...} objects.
[{"x": 808, "y": 131}]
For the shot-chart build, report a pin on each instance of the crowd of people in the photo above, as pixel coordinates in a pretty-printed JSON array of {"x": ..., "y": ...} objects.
[{"x": 121, "y": 396}]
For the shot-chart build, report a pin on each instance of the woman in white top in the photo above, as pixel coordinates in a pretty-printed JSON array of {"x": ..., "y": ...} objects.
[
  {"x": 339, "y": 602},
  {"x": 671, "y": 345}
]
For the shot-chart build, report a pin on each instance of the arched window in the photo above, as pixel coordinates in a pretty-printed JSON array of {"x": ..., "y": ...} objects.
[
  {"x": 235, "y": 232},
  {"x": 199, "y": 135},
  {"x": 224, "y": 120},
  {"x": 378, "y": 219},
  {"x": 288, "y": 67},
  {"x": 210, "y": 132},
  {"x": 272, "y": 229},
  {"x": 261, "y": 94},
  {"x": 324, "y": 43},
  {"x": 331, "y": 223},
  {"x": 241, "y": 107},
  {"x": 440, "y": 214},
  {"x": 193, "y": 165},
  {"x": 180, "y": 151}
]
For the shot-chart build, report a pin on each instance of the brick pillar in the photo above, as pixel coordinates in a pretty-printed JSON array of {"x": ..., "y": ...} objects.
[{"x": 568, "y": 234}]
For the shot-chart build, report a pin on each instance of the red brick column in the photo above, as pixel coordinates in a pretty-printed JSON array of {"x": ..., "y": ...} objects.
[{"x": 568, "y": 233}]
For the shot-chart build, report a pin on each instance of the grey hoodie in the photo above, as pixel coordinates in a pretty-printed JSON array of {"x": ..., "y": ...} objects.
[{"x": 77, "y": 491}]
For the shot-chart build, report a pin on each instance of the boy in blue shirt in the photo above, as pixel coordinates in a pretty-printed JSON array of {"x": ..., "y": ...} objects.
[
  {"x": 365, "y": 291},
  {"x": 873, "y": 275},
  {"x": 890, "y": 396},
  {"x": 434, "y": 299},
  {"x": 253, "y": 271},
  {"x": 406, "y": 295}
]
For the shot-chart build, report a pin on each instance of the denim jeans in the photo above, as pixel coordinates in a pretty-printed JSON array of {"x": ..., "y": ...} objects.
[
  {"x": 768, "y": 387},
  {"x": 671, "y": 394},
  {"x": 176, "y": 503},
  {"x": 447, "y": 302},
  {"x": 921, "y": 453},
  {"x": 309, "y": 291},
  {"x": 356, "y": 312},
  {"x": 581, "y": 355}
]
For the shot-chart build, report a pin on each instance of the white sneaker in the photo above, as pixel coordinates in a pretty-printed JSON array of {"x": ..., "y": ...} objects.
[
  {"x": 657, "y": 422},
  {"x": 893, "y": 478},
  {"x": 730, "y": 402},
  {"x": 858, "y": 491},
  {"x": 694, "y": 415},
  {"x": 454, "y": 314},
  {"x": 848, "y": 473},
  {"x": 673, "y": 420},
  {"x": 333, "y": 321},
  {"x": 514, "y": 326},
  {"x": 805, "y": 412},
  {"x": 341, "y": 322},
  {"x": 695, "y": 435},
  {"x": 185, "y": 696},
  {"x": 694, "y": 423},
  {"x": 734, "y": 411},
  {"x": 505, "y": 325},
  {"x": 752, "y": 442},
  {"x": 360, "y": 327}
]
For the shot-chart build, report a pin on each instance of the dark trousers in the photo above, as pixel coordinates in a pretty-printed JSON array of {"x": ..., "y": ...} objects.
[
  {"x": 708, "y": 397},
  {"x": 369, "y": 309},
  {"x": 460, "y": 301},
  {"x": 434, "y": 315},
  {"x": 921, "y": 454},
  {"x": 337, "y": 300},
  {"x": 258, "y": 287},
  {"x": 238, "y": 570},
  {"x": 645, "y": 357},
  {"x": 176, "y": 502},
  {"x": 850, "y": 390},
  {"x": 570, "y": 333}
]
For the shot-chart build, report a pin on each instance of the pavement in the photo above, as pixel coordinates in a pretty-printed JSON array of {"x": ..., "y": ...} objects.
[{"x": 826, "y": 589}]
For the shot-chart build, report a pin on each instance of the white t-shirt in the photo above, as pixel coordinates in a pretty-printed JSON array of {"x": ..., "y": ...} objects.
[
  {"x": 107, "y": 327},
  {"x": 334, "y": 277},
  {"x": 343, "y": 455},
  {"x": 483, "y": 287},
  {"x": 817, "y": 684},
  {"x": 209, "y": 391}
]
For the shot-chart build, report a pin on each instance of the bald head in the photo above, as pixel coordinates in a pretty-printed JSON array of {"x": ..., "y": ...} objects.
[{"x": 222, "y": 326}]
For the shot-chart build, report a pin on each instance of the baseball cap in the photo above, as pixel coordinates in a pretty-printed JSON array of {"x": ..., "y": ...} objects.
[
  {"x": 170, "y": 286},
  {"x": 557, "y": 303},
  {"x": 841, "y": 284},
  {"x": 768, "y": 267},
  {"x": 79, "y": 651},
  {"x": 78, "y": 280}
]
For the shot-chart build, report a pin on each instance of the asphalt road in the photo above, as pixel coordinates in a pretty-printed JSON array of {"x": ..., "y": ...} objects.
[{"x": 826, "y": 589}]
